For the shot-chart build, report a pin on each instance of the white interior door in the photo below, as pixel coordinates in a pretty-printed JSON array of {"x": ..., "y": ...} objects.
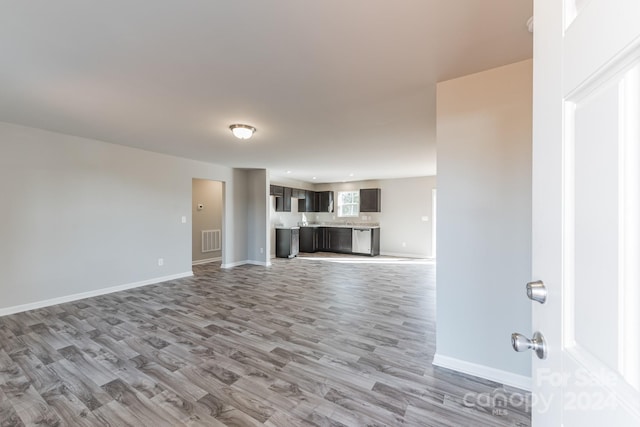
[{"x": 586, "y": 211}]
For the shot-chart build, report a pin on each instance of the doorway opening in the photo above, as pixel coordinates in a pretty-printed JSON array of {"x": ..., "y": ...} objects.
[
  {"x": 434, "y": 211},
  {"x": 207, "y": 221}
]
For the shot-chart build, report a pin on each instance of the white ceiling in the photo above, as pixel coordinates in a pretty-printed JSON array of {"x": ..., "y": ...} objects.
[{"x": 334, "y": 87}]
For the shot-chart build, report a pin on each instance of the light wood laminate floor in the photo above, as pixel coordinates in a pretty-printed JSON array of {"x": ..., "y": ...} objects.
[{"x": 313, "y": 341}]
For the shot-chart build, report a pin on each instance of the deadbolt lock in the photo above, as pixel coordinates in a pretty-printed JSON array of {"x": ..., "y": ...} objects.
[{"x": 537, "y": 291}]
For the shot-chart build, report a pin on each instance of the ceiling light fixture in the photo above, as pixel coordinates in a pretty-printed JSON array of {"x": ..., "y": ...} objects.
[{"x": 242, "y": 131}]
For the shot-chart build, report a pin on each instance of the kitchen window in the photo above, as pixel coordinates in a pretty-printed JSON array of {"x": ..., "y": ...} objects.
[{"x": 348, "y": 203}]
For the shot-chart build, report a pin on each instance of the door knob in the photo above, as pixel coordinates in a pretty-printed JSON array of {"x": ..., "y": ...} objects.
[
  {"x": 537, "y": 344},
  {"x": 537, "y": 291}
]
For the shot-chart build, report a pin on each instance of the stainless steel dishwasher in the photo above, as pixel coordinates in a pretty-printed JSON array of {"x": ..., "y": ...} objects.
[{"x": 361, "y": 240}]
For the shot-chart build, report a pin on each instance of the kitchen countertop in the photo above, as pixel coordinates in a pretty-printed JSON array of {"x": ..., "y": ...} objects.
[
  {"x": 342, "y": 225},
  {"x": 296, "y": 227}
]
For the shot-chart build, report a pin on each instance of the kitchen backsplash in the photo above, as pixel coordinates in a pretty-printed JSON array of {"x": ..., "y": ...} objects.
[
  {"x": 285, "y": 219},
  {"x": 332, "y": 218},
  {"x": 289, "y": 219},
  {"x": 295, "y": 218}
]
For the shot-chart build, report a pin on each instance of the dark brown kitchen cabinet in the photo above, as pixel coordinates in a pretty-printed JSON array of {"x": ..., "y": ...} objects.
[
  {"x": 307, "y": 239},
  {"x": 314, "y": 239},
  {"x": 276, "y": 190},
  {"x": 287, "y": 242},
  {"x": 302, "y": 204},
  {"x": 338, "y": 239},
  {"x": 324, "y": 201},
  {"x": 370, "y": 200},
  {"x": 283, "y": 204},
  {"x": 298, "y": 193},
  {"x": 308, "y": 204},
  {"x": 375, "y": 241},
  {"x": 311, "y": 239},
  {"x": 335, "y": 239}
]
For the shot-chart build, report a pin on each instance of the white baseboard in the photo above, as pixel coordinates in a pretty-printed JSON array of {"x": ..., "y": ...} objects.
[
  {"x": 233, "y": 264},
  {"x": 69, "y": 298},
  {"x": 262, "y": 263},
  {"x": 401, "y": 255},
  {"x": 206, "y": 261},
  {"x": 246, "y": 261},
  {"x": 503, "y": 377}
]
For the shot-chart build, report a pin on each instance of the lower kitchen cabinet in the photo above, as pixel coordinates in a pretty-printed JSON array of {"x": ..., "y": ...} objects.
[
  {"x": 339, "y": 239},
  {"x": 308, "y": 241},
  {"x": 287, "y": 242},
  {"x": 335, "y": 239},
  {"x": 375, "y": 241},
  {"x": 312, "y": 239}
]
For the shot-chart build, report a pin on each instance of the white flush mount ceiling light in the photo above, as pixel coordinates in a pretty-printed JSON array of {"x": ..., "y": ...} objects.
[{"x": 242, "y": 131}]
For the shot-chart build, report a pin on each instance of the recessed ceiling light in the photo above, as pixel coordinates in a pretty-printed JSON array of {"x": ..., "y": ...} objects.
[
  {"x": 241, "y": 131},
  {"x": 288, "y": 172},
  {"x": 351, "y": 174},
  {"x": 314, "y": 178}
]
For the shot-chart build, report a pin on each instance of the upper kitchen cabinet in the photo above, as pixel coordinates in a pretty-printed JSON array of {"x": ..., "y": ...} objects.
[
  {"x": 283, "y": 204},
  {"x": 308, "y": 201},
  {"x": 370, "y": 200},
  {"x": 276, "y": 190},
  {"x": 324, "y": 201},
  {"x": 298, "y": 193},
  {"x": 308, "y": 204}
]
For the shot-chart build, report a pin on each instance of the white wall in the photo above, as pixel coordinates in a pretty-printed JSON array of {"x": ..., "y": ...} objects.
[
  {"x": 236, "y": 243},
  {"x": 484, "y": 221},
  {"x": 79, "y": 215},
  {"x": 258, "y": 217},
  {"x": 209, "y": 194}
]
